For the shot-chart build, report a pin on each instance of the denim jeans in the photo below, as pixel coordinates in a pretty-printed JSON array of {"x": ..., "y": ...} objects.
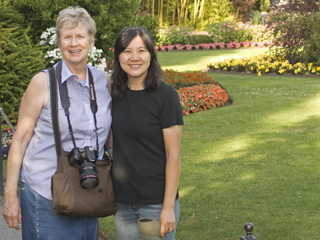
[
  {"x": 126, "y": 219},
  {"x": 39, "y": 221}
]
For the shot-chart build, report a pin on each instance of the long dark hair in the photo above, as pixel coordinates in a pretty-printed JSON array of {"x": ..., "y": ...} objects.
[{"x": 120, "y": 77}]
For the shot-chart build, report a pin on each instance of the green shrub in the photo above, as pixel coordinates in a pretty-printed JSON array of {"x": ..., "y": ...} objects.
[
  {"x": 174, "y": 35},
  {"x": 311, "y": 51},
  {"x": 110, "y": 16},
  {"x": 19, "y": 60},
  {"x": 149, "y": 23},
  {"x": 296, "y": 30},
  {"x": 256, "y": 17},
  {"x": 238, "y": 32},
  {"x": 228, "y": 32},
  {"x": 199, "y": 39}
]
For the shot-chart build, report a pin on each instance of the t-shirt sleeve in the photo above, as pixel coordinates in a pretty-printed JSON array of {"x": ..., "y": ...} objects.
[{"x": 171, "y": 110}]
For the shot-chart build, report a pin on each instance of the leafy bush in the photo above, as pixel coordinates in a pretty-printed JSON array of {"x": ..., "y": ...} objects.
[
  {"x": 174, "y": 35},
  {"x": 238, "y": 32},
  {"x": 148, "y": 22},
  {"x": 311, "y": 49},
  {"x": 243, "y": 9},
  {"x": 217, "y": 11},
  {"x": 199, "y": 39},
  {"x": 256, "y": 17},
  {"x": 20, "y": 60},
  {"x": 110, "y": 16},
  {"x": 296, "y": 30}
]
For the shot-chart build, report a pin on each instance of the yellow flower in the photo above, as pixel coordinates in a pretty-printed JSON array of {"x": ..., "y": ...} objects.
[
  {"x": 259, "y": 73},
  {"x": 318, "y": 68},
  {"x": 267, "y": 70}
]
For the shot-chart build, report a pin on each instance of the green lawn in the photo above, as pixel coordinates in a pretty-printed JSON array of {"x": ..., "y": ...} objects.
[
  {"x": 254, "y": 161},
  {"x": 198, "y": 60}
]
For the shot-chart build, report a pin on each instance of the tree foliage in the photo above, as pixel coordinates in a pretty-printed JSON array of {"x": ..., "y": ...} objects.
[
  {"x": 243, "y": 9},
  {"x": 110, "y": 16},
  {"x": 192, "y": 13},
  {"x": 19, "y": 60},
  {"x": 218, "y": 11}
]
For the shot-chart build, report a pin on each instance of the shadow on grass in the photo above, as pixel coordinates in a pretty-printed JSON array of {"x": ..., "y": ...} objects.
[{"x": 254, "y": 161}]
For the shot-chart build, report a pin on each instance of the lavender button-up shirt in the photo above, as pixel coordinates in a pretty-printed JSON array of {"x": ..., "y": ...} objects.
[{"x": 40, "y": 160}]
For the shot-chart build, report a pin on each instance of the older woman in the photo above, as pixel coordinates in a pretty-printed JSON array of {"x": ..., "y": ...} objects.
[
  {"x": 147, "y": 128},
  {"x": 33, "y": 153}
]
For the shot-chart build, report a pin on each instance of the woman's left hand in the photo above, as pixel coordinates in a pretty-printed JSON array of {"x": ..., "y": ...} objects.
[{"x": 167, "y": 220}]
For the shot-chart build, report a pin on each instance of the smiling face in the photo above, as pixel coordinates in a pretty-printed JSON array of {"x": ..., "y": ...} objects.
[
  {"x": 75, "y": 43},
  {"x": 135, "y": 60}
]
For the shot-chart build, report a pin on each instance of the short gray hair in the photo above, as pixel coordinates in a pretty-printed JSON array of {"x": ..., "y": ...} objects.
[{"x": 74, "y": 15}]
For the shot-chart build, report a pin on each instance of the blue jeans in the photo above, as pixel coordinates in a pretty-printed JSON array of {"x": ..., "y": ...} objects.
[
  {"x": 39, "y": 221},
  {"x": 126, "y": 219}
]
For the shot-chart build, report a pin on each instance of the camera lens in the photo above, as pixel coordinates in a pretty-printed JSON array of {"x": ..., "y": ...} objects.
[{"x": 88, "y": 175}]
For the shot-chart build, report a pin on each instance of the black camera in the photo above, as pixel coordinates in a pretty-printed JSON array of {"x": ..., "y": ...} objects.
[{"x": 85, "y": 158}]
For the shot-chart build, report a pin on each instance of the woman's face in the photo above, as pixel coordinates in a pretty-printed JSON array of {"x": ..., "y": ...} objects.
[
  {"x": 75, "y": 43},
  {"x": 135, "y": 59}
]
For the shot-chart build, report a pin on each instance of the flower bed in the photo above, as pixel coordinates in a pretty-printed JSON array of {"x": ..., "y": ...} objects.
[
  {"x": 197, "y": 91},
  {"x": 217, "y": 45},
  {"x": 263, "y": 64}
]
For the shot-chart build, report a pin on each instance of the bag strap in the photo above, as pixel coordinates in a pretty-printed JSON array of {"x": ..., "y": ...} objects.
[
  {"x": 65, "y": 102},
  {"x": 54, "y": 110}
]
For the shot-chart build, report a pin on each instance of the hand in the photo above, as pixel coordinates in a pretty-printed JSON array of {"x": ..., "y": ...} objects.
[
  {"x": 167, "y": 220},
  {"x": 12, "y": 211}
]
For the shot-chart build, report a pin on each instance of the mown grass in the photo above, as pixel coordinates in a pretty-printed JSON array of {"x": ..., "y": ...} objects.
[
  {"x": 198, "y": 60},
  {"x": 254, "y": 161}
]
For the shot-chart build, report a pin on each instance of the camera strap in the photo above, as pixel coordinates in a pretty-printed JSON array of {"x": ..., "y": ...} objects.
[{"x": 65, "y": 102}]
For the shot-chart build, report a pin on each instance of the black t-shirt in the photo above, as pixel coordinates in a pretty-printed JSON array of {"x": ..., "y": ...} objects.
[{"x": 138, "y": 147}]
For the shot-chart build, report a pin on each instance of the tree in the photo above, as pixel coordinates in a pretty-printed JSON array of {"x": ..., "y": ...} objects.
[
  {"x": 110, "y": 16},
  {"x": 192, "y": 13},
  {"x": 20, "y": 59},
  {"x": 218, "y": 11},
  {"x": 243, "y": 9}
]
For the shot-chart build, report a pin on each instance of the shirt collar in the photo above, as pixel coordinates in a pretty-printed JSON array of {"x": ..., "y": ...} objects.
[{"x": 66, "y": 74}]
